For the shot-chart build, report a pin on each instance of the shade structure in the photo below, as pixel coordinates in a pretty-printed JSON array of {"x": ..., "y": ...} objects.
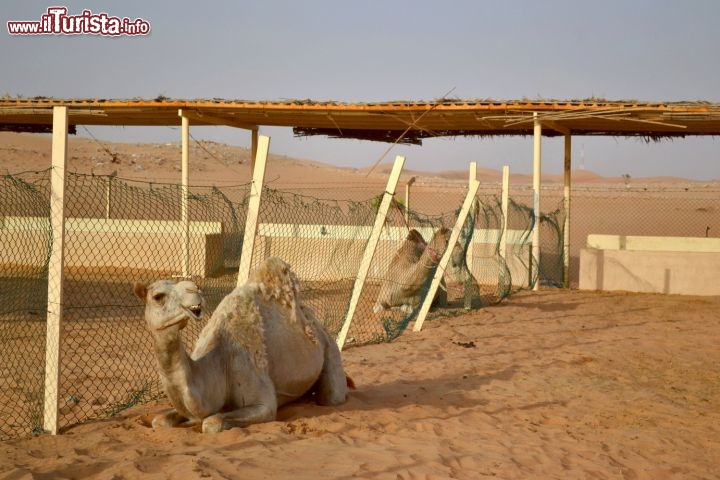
[{"x": 395, "y": 121}]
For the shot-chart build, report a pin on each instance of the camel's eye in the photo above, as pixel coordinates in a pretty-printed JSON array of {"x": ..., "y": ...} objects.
[{"x": 159, "y": 297}]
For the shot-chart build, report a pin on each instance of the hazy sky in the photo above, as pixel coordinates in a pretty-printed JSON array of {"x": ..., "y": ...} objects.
[{"x": 648, "y": 50}]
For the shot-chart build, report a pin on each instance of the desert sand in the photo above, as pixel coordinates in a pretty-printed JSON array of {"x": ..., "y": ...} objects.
[{"x": 549, "y": 384}]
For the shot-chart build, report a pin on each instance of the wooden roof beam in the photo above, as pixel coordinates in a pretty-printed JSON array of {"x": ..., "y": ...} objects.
[
  {"x": 205, "y": 118},
  {"x": 555, "y": 126}
]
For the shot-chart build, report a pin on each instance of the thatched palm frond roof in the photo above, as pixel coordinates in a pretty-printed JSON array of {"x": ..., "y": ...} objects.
[{"x": 394, "y": 121}]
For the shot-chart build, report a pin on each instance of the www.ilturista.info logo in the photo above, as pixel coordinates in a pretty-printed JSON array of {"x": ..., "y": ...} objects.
[{"x": 57, "y": 22}]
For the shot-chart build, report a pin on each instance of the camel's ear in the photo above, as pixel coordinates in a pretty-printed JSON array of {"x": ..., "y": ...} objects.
[
  {"x": 415, "y": 236},
  {"x": 140, "y": 291}
]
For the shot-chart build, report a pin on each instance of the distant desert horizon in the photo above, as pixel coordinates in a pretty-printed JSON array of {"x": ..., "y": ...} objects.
[{"x": 214, "y": 163}]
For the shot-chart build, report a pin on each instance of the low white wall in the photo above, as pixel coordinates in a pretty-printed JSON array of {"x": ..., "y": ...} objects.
[
  {"x": 653, "y": 244},
  {"x": 333, "y": 252},
  {"x": 316, "y": 252},
  {"x": 679, "y": 265},
  {"x": 102, "y": 243}
]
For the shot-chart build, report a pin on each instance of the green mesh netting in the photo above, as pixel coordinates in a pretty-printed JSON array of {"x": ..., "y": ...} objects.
[{"x": 119, "y": 232}]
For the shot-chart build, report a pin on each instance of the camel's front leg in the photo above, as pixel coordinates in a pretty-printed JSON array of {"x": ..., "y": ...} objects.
[
  {"x": 332, "y": 386},
  {"x": 168, "y": 419},
  {"x": 241, "y": 417}
]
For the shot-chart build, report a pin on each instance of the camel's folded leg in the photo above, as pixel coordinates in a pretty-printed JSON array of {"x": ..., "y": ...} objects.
[
  {"x": 241, "y": 417},
  {"x": 171, "y": 418},
  {"x": 332, "y": 386}
]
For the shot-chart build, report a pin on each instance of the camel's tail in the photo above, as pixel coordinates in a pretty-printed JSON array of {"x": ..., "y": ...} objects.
[{"x": 350, "y": 382}]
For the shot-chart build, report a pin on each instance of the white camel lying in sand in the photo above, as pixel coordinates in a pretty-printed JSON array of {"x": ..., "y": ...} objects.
[
  {"x": 261, "y": 348},
  {"x": 410, "y": 271}
]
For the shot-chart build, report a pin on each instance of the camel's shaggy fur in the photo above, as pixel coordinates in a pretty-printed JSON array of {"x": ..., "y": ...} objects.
[
  {"x": 411, "y": 270},
  {"x": 458, "y": 276},
  {"x": 457, "y": 271},
  {"x": 261, "y": 348}
]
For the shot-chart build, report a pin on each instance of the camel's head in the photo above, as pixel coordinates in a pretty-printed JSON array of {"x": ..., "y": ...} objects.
[
  {"x": 457, "y": 259},
  {"x": 415, "y": 237},
  {"x": 438, "y": 244},
  {"x": 169, "y": 303}
]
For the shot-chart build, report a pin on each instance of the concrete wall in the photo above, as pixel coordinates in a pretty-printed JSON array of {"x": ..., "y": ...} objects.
[
  {"x": 101, "y": 243},
  {"x": 327, "y": 252},
  {"x": 333, "y": 252},
  {"x": 651, "y": 264},
  {"x": 487, "y": 267}
]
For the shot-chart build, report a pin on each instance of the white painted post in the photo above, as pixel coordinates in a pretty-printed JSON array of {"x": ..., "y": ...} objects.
[
  {"x": 468, "y": 287},
  {"x": 537, "y": 159},
  {"x": 108, "y": 194},
  {"x": 454, "y": 235},
  {"x": 184, "y": 192},
  {"x": 407, "y": 200},
  {"x": 370, "y": 248},
  {"x": 251, "y": 222},
  {"x": 470, "y": 254},
  {"x": 472, "y": 173},
  {"x": 55, "y": 270},
  {"x": 504, "y": 206},
  {"x": 566, "y": 207}
]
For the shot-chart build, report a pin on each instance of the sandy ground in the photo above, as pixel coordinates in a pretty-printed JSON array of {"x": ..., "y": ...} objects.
[
  {"x": 555, "y": 384},
  {"x": 552, "y": 384}
]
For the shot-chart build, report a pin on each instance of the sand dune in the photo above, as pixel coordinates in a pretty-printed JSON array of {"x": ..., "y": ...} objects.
[{"x": 219, "y": 164}]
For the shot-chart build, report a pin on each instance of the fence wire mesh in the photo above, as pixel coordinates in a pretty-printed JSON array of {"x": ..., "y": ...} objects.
[
  {"x": 373, "y": 324},
  {"x": 651, "y": 210},
  {"x": 117, "y": 232},
  {"x": 120, "y": 231},
  {"x": 322, "y": 240},
  {"x": 24, "y": 212}
]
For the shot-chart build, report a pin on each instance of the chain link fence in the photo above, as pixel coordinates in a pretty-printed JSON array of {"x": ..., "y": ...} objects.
[
  {"x": 652, "y": 210},
  {"x": 25, "y": 208},
  {"x": 119, "y": 232}
]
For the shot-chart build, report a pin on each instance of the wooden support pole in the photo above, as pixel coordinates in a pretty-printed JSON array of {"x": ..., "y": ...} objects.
[
  {"x": 407, "y": 200},
  {"x": 253, "y": 147},
  {"x": 251, "y": 222},
  {"x": 505, "y": 199},
  {"x": 469, "y": 286},
  {"x": 472, "y": 173},
  {"x": 566, "y": 206},
  {"x": 407, "y": 203},
  {"x": 439, "y": 272},
  {"x": 185, "y": 193},
  {"x": 370, "y": 247},
  {"x": 55, "y": 270},
  {"x": 470, "y": 253},
  {"x": 108, "y": 194},
  {"x": 537, "y": 167}
]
